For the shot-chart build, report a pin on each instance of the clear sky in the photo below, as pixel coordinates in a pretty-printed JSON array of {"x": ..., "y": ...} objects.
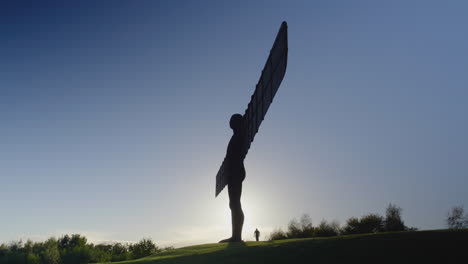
[{"x": 114, "y": 115}]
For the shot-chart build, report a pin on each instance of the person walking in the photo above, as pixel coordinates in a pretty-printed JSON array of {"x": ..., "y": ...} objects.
[{"x": 257, "y": 234}]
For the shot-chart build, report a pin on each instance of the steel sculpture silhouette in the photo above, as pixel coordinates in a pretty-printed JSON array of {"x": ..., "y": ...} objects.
[{"x": 232, "y": 171}]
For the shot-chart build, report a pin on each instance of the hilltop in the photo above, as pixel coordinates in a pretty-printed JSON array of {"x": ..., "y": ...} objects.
[{"x": 442, "y": 246}]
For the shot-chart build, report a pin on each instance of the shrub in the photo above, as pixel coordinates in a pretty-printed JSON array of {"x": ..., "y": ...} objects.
[{"x": 278, "y": 234}]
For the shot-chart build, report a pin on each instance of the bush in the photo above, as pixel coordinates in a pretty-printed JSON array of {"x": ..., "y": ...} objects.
[{"x": 278, "y": 234}]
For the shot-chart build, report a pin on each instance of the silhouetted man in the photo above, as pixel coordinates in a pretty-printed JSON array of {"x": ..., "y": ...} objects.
[
  {"x": 257, "y": 234},
  {"x": 236, "y": 175}
]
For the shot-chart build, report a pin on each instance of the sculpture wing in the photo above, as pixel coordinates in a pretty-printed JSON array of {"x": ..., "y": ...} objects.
[{"x": 272, "y": 74}]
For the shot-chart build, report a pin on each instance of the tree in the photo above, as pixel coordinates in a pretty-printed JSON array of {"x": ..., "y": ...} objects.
[
  {"x": 51, "y": 253},
  {"x": 326, "y": 229},
  {"x": 143, "y": 248},
  {"x": 393, "y": 221},
  {"x": 75, "y": 250},
  {"x": 4, "y": 253},
  {"x": 300, "y": 229},
  {"x": 307, "y": 229},
  {"x": 455, "y": 218},
  {"x": 15, "y": 253},
  {"x": 371, "y": 223},
  {"x": 120, "y": 252},
  {"x": 352, "y": 226},
  {"x": 294, "y": 229},
  {"x": 100, "y": 253},
  {"x": 306, "y": 222},
  {"x": 64, "y": 242},
  {"x": 31, "y": 257},
  {"x": 77, "y": 240}
]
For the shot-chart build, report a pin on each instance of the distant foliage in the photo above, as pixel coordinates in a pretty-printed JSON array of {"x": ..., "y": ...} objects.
[
  {"x": 456, "y": 218},
  {"x": 304, "y": 228},
  {"x": 370, "y": 223},
  {"x": 73, "y": 249}
]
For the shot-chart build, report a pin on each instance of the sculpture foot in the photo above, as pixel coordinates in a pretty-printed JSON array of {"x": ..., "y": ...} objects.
[{"x": 230, "y": 240}]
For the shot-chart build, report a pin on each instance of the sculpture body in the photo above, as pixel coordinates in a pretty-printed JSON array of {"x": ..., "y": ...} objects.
[
  {"x": 232, "y": 171},
  {"x": 235, "y": 172}
]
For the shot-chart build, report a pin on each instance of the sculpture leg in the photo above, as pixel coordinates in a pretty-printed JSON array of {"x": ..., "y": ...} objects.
[{"x": 237, "y": 215}]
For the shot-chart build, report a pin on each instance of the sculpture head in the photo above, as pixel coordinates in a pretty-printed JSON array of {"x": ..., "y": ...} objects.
[{"x": 236, "y": 122}]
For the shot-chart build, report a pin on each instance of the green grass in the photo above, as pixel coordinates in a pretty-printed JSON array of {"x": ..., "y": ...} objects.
[{"x": 438, "y": 246}]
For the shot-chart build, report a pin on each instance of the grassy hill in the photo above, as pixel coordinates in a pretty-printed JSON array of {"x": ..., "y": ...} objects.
[{"x": 438, "y": 246}]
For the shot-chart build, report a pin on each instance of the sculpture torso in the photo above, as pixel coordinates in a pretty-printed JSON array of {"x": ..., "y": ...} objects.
[{"x": 235, "y": 158}]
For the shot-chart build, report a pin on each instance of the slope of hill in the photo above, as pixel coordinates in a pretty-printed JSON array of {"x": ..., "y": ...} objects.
[{"x": 438, "y": 246}]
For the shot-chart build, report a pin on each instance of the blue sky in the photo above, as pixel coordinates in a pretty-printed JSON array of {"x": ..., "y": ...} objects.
[{"x": 115, "y": 115}]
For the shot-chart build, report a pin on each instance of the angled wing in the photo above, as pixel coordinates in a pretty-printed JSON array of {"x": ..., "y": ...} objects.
[
  {"x": 272, "y": 75},
  {"x": 266, "y": 88}
]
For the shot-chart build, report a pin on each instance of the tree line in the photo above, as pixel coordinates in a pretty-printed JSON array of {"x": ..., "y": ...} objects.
[
  {"x": 370, "y": 223},
  {"x": 74, "y": 249}
]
